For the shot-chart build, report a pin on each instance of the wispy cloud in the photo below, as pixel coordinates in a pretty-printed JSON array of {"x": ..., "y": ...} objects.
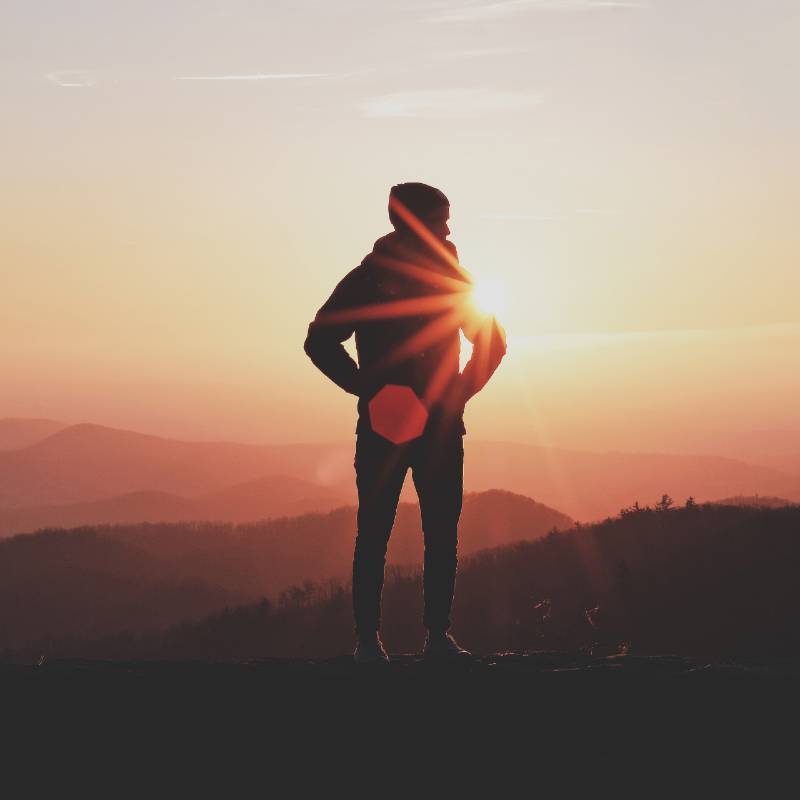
[
  {"x": 82, "y": 78},
  {"x": 549, "y": 215},
  {"x": 257, "y": 76},
  {"x": 72, "y": 78},
  {"x": 449, "y": 103},
  {"x": 572, "y": 341},
  {"x": 507, "y": 8},
  {"x": 598, "y": 212},
  {"x": 484, "y": 52},
  {"x": 510, "y": 216}
]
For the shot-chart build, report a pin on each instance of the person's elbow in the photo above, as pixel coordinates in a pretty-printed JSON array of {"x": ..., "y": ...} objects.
[
  {"x": 498, "y": 343},
  {"x": 314, "y": 347},
  {"x": 313, "y": 342}
]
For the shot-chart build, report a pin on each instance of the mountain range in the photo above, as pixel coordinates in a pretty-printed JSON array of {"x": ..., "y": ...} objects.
[
  {"x": 87, "y": 474},
  {"x": 271, "y": 496}
]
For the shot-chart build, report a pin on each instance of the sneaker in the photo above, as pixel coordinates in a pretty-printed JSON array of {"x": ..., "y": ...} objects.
[
  {"x": 443, "y": 645},
  {"x": 370, "y": 651}
]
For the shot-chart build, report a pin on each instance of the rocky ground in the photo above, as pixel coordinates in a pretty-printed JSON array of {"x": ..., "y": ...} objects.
[
  {"x": 496, "y": 724},
  {"x": 519, "y": 667}
]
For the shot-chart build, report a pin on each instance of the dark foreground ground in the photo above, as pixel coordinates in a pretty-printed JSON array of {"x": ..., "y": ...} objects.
[
  {"x": 506, "y": 722},
  {"x": 527, "y": 672}
]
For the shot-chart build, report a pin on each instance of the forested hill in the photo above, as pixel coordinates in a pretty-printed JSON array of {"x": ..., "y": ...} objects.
[
  {"x": 100, "y": 580},
  {"x": 711, "y": 580}
]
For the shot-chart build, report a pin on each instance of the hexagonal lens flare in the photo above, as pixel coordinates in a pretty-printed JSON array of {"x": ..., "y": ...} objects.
[{"x": 397, "y": 414}]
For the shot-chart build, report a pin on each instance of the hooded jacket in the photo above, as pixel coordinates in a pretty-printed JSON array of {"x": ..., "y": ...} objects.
[{"x": 406, "y": 303}]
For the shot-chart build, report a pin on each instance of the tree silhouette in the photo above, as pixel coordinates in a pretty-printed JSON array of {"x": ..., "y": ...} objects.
[{"x": 665, "y": 503}]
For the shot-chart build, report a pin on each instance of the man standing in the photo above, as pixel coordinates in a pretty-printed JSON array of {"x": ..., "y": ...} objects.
[{"x": 406, "y": 303}]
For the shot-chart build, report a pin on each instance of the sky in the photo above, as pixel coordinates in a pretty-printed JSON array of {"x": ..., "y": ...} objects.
[{"x": 184, "y": 184}]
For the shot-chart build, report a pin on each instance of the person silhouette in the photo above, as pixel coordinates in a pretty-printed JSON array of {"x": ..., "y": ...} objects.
[{"x": 406, "y": 303}]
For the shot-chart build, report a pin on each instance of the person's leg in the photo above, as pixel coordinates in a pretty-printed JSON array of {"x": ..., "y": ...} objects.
[
  {"x": 380, "y": 470},
  {"x": 438, "y": 470}
]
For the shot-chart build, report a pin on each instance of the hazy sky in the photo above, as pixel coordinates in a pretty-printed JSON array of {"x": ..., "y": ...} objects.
[{"x": 185, "y": 182}]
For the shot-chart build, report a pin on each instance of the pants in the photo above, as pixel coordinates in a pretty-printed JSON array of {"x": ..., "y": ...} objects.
[{"x": 437, "y": 467}]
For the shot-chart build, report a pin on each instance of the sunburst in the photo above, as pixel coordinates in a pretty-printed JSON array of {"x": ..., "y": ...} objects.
[{"x": 465, "y": 303}]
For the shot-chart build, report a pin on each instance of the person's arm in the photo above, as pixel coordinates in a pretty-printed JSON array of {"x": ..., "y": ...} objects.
[
  {"x": 488, "y": 348},
  {"x": 331, "y": 326},
  {"x": 488, "y": 339}
]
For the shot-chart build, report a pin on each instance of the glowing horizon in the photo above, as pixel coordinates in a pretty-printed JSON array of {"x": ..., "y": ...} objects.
[{"x": 186, "y": 185}]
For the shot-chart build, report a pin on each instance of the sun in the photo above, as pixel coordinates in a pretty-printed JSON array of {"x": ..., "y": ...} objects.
[{"x": 488, "y": 296}]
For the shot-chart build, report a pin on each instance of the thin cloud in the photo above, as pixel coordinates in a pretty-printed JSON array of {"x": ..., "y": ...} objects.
[
  {"x": 258, "y": 76},
  {"x": 598, "y": 212},
  {"x": 72, "y": 78},
  {"x": 447, "y": 103},
  {"x": 572, "y": 341},
  {"x": 510, "y": 216},
  {"x": 554, "y": 215},
  {"x": 484, "y": 52},
  {"x": 508, "y": 8}
]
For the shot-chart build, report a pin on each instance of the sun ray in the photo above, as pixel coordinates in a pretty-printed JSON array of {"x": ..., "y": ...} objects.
[
  {"x": 441, "y": 376},
  {"x": 429, "y": 238},
  {"x": 397, "y": 308},
  {"x": 553, "y": 465},
  {"x": 433, "y": 331},
  {"x": 480, "y": 357},
  {"x": 425, "y": 274},
  {"x": 489, "y": 346}
]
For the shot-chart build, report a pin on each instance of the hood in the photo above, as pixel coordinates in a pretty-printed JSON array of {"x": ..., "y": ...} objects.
[{"x": 401, "y": 247}]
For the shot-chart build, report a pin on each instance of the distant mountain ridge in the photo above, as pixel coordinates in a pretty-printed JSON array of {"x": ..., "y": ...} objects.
[
  {"x": 271, "y": 496},
  {"x": 768, "y": 447},
  {"x": 87, "y": 463},
  {"x": 19, "y": 432}
]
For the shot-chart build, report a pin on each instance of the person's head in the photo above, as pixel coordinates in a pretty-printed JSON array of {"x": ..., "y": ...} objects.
[{"x": 429, "y": 205}]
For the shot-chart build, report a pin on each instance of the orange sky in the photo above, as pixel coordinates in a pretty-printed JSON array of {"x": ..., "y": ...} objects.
[{"x": 184, "y": 187}]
